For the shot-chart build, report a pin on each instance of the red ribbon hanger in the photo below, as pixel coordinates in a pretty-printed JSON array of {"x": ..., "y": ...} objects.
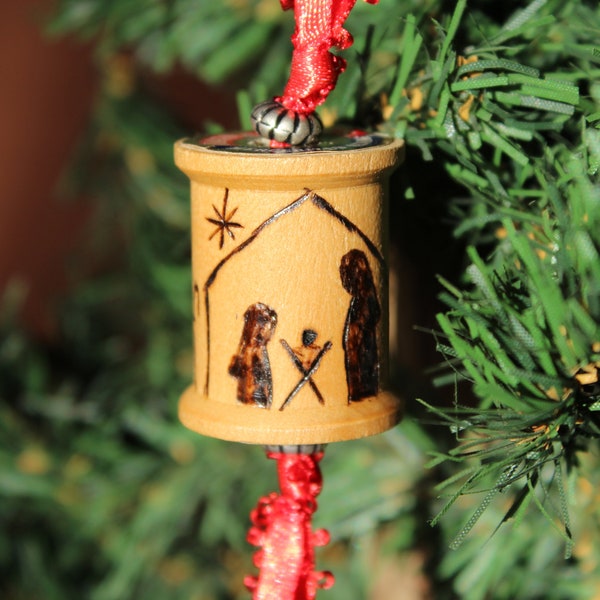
[{"x": 314, "y": 70}]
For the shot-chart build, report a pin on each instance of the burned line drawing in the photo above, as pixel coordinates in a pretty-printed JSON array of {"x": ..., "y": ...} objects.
[
  {"x": 196, "y": 310},
  {"x": 306, "y": 199},
  {"x": 307, "y": 359},
  {"x": 223, "y": 222},
  {"x": 360, "y": 330},
  {"x": 251, "y": 366}
]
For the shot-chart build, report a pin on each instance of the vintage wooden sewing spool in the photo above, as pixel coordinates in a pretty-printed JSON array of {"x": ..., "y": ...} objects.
[{"x": 289, "y": 289}]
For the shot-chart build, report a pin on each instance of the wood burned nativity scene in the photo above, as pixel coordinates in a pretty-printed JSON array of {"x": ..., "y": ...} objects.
[{"x": 352, "y": 327}]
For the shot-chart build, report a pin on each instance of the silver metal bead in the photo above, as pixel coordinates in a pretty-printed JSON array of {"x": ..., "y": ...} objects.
[
  {"x": 274, "y": 121},
  {"x": 301, "y": 449}
]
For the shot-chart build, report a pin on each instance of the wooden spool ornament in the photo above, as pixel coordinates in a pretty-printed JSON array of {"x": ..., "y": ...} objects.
[
  {"x": 289, "y": 267},
  {"x": 289, "y": 289}
]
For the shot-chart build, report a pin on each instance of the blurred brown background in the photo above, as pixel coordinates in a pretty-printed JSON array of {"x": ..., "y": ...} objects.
[{"x": 46, "y": 98}]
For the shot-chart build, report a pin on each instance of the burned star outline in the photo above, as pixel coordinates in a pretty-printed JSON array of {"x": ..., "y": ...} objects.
[{"x": 223, "y": 221}]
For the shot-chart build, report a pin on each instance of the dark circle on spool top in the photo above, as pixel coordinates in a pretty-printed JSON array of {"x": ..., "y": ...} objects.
[{"x": 251, "y": 143}]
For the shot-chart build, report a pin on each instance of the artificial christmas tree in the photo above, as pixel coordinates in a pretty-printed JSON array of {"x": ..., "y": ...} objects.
[{"x": 498, "y": 106}]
